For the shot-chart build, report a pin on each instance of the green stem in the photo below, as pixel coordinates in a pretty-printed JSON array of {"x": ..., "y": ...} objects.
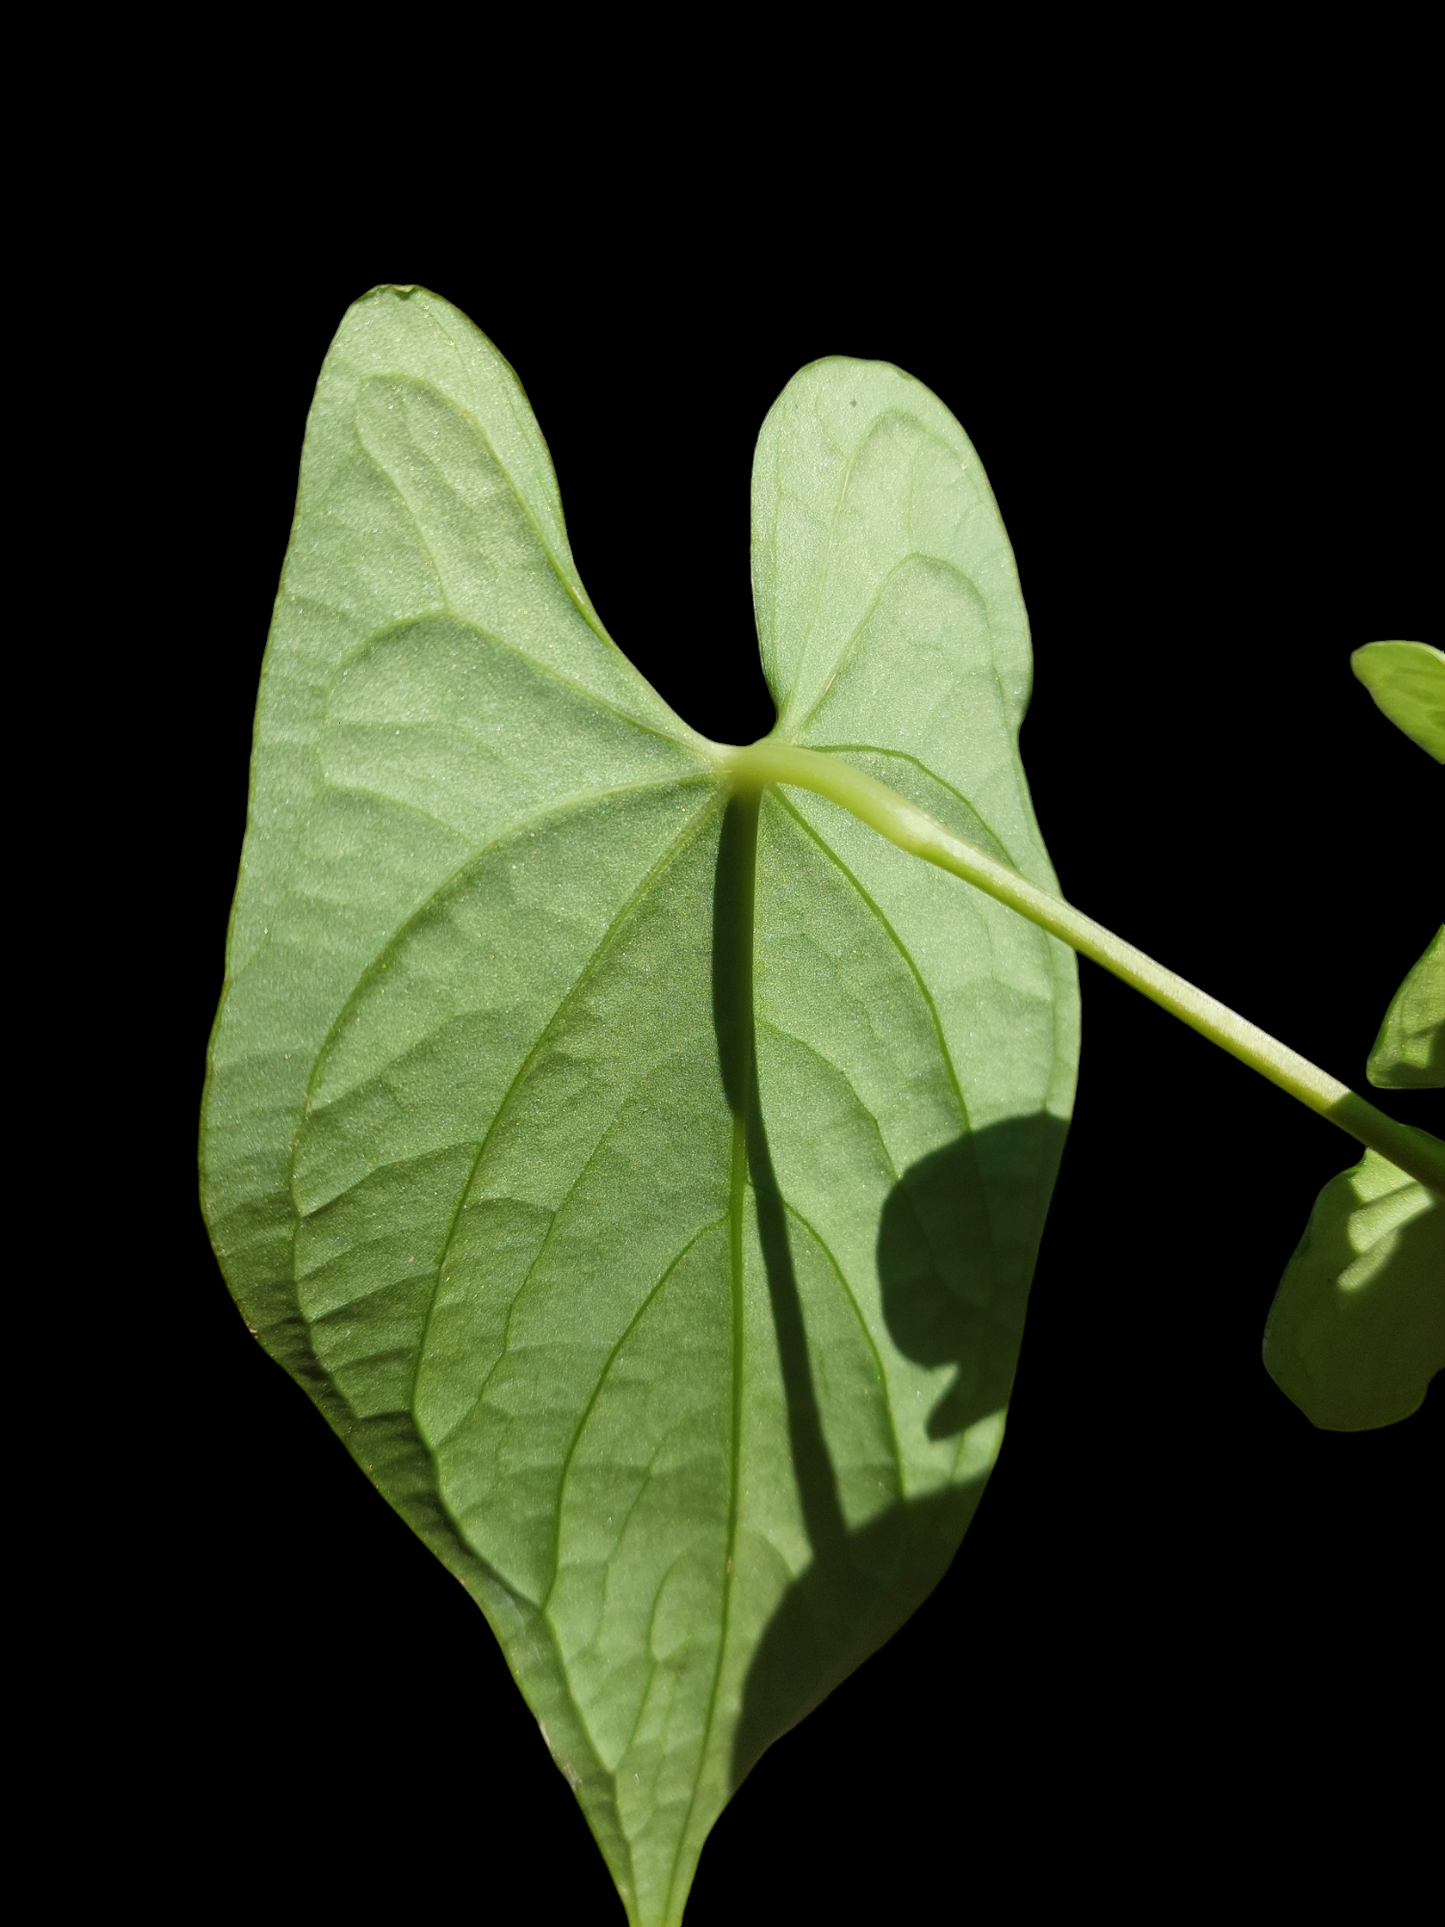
[{"x": 1414, "y": 1152}]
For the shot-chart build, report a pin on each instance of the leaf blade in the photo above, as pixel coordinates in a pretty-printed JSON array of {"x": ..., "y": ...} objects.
[
  {"x": 651, "y": 1208},
  {"x": 1357, "y": 1327},
  {"x": 1409, "y": 1050},
  {"x": 1407, "y": 681}
]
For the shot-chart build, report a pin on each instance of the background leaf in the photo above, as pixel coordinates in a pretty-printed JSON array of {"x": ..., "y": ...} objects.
[
  {"x": 677, "y": 1311},
  {"x": 1409, "y": 1051},
  {"x": 1357, "y": 1327},
  {"x": 1407, "y": 681}
]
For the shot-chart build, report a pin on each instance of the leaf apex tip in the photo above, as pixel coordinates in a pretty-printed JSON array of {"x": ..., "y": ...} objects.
[{"x": 404, "y": 290}]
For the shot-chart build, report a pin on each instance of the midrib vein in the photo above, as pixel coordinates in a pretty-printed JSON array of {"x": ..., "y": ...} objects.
[{"x": 746, "y": 808}]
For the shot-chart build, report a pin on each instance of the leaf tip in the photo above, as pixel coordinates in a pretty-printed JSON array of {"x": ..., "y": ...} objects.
[{"x": 403, "y": 290}]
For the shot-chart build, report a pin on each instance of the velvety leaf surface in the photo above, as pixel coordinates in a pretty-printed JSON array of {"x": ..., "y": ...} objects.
[
  {"x": 645, "y": 1181},
  {"x": 1357, "y": 1327},
  {"x": 1409, "y": 1052},
  {"x": 1407, "y": 681}
]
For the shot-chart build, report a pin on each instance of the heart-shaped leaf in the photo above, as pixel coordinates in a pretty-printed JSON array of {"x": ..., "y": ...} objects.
[{"x": 643, "y": 1174}]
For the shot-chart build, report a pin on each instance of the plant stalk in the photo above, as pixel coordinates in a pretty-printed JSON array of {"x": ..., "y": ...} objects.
[{"x": 1415, "y": 1152}]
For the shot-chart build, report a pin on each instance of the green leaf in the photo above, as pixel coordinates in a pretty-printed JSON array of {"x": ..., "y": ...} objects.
[
  {"x": 1409, "y": 1053},
  {"x": 644, "y": 1178},
  {"x": 1357, "y": 1328},
  {"x": 1407, "y": 681}
]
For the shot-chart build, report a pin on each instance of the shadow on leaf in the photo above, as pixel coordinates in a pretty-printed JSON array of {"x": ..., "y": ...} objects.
[
  {"x": 957, "y": 1239},
  {"x": 945, "y": 1304}
]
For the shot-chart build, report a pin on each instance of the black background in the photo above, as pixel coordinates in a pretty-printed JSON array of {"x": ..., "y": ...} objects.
[{"x": 1187, "y": 1631}]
